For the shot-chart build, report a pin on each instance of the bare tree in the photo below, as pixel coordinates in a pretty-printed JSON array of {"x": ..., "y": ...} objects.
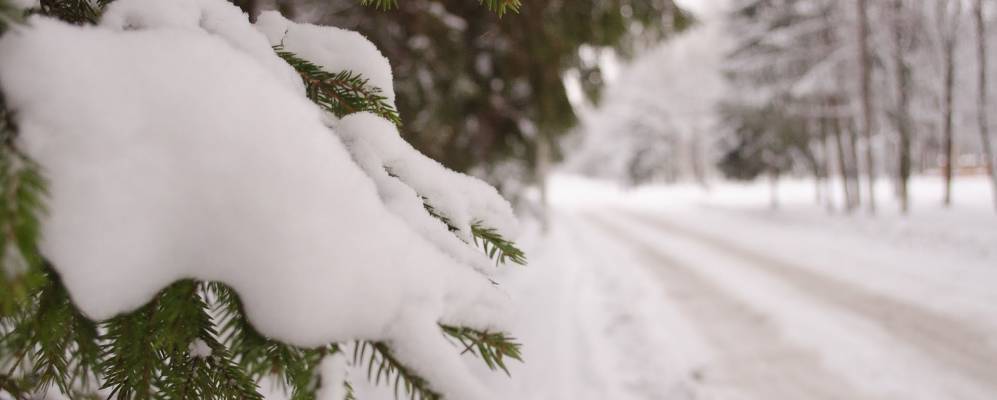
[
  {"x": 901, "y": 37},
  {"x": 947, "y": 15},
  {"x": 844, "y": 167},
  {"x": 865, "y": 76},
  {"x": 983, "y": 101}
]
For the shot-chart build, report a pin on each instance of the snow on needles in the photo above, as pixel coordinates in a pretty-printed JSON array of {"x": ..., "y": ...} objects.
[
  {"x": 332, "y": 48},
  {"x": 176, "y": 147}
]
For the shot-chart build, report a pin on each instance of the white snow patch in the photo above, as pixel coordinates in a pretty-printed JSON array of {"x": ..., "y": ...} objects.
[
  {"x": 222, "y": 19},
  {"x": 199, "y": 349}
]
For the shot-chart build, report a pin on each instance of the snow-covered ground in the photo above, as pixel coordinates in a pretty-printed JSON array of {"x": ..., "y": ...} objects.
[{"x": 678, "y": 293}]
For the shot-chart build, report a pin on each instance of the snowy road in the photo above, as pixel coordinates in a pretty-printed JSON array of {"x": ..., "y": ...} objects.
[
  {"x": 672, "y": 293},
  {"x": 754, "y": 360},
  {"x": 779, "y": 330}
]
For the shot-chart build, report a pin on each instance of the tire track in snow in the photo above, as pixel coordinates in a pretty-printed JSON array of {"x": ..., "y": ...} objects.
[
  {"x": 751, "y": 360},
  {"x": 955, "y": 343}
]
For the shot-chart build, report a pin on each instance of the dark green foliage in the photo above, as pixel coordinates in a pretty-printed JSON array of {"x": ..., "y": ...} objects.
[
  {"x": 51, "y": 341},
  {"x": 341, "y": 93},
  {"x": 22, "y": 204},
  {"x": 491, "y": 347},
  {"x": 147, "y": 353},
  {"x": 382, "y": 365},
  {"x": 499, "y": 7},
  {"x": 73, "y": 11}
]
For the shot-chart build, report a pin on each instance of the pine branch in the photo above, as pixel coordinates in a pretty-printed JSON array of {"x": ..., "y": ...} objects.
[
  {"x": 53, "y": 342},
  {"x": 433, "y": 212},
  {"x": 491, "y": 347},
  {"x": 493, "y": 243},
  {"x": 499, "y": 7},
  {"x": 260, "y": 356},
  {"x": 9, "y": 15},
  {"x": 381, "y": 364},
  {"x": 148, "y": 352},
  {"x": 496, "y": 246},
  {"x": 129, "y": 359},
  {"x": 185, "y": 323},
  {"x": 350, "y": 395},
  {"x": 16, "y": 387},
  {"x": 79, "y": 12},
  {"x": 341, "y": 93},
  {"x": 23, "y": 191}
]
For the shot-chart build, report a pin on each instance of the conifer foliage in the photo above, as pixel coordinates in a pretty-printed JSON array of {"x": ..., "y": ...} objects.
[{"x": 192, "y": 340}]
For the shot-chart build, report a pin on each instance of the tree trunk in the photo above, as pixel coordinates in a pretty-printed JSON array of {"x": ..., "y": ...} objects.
[
  {"x": 948, "y": 24},
  {"x": 853, "y": 170},
  {"x": 903, "y": 105},
  {"x": 947, "y": 128},
  {"x": 865, "y": 73},
  {"x": 842, "y": 163},
  {"x": 826, "y": 165},
  {"x": 774, "y": 190},
  {"x": 696, "y": 159},
  {"x": 541, "y": 168},
  {"x": 983, "y": 102}
]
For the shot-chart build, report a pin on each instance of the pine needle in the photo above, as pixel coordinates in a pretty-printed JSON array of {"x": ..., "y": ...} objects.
[{"x": 341, "y": 93}]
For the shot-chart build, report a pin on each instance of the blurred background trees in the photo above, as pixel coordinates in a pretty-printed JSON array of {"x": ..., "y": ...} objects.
[{"x": 893, "y": 98}]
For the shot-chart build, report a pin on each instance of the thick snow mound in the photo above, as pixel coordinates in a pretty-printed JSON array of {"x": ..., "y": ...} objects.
[
  {"x": 222, "y": 19},
  {"x": 211, "y": 168}
]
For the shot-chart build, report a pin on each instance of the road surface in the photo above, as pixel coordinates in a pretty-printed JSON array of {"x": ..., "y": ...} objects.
[{"x": 779, "y": 329}]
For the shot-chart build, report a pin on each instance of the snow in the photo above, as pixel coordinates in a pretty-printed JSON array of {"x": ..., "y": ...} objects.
[
  {"x": 220, "y": 19},
  {"x": 200, "y": 349},
  {"x": 214, "y": 166}
]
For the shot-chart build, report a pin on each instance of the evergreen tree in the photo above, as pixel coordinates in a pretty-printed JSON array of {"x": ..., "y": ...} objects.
[
  {"x": 478, "y": 91},
  {"x": 192, "y": 340}
]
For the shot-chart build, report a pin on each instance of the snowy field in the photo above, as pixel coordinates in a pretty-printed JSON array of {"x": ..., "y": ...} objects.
[{"x": 677, "y": 293}]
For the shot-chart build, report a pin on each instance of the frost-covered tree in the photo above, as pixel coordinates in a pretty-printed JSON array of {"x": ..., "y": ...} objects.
[
  {"x": 192, "y": 204},
  {"x": 653, "y": 123},
  {"x": 893, "y": 90}
]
